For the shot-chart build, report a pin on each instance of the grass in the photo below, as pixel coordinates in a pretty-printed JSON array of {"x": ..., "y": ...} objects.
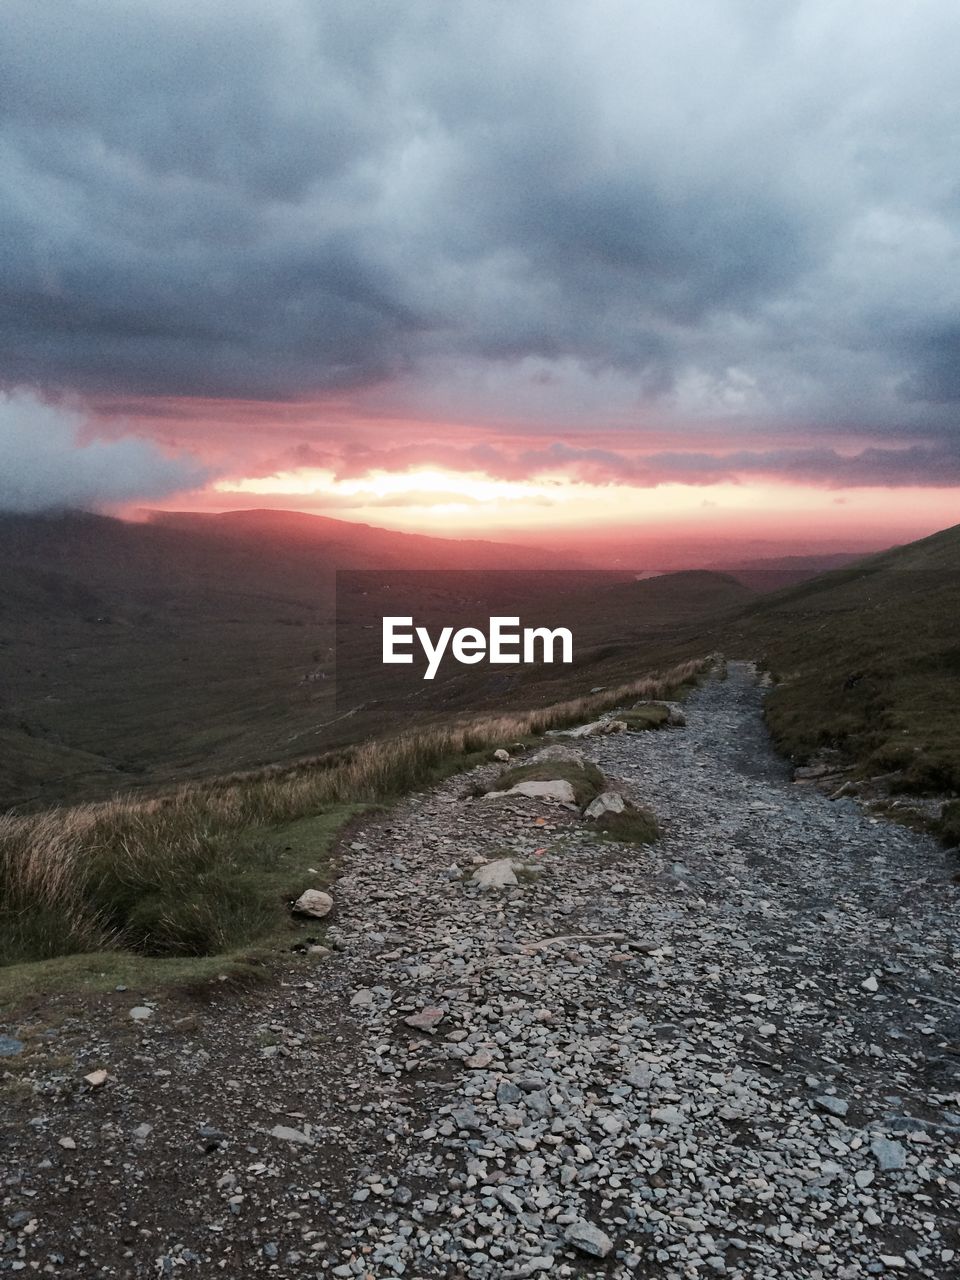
[
  {"x": 631, "y": 826},
  {"x": 585, "y": 779},
  {"x": 205, "y": 872},
  {"x": 865, "y": 661},
  {"x": 128, "y": 882},
  {"x": 651, "y": 715}
]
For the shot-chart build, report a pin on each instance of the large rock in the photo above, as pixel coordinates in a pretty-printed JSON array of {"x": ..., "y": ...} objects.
[
  {"x": 314, "y": 902},
  {"x": 496, "y": 875},
  {"x": 588, "y": 1239},
  {"x": 597, "y": 728},
  {"x": 426, "y": 1020},
  {"x": 557, "y": 751},
  {"x": 557, "y": 790},
  {"x": 888, "y": 1155},
  {"x": 606, "y": 802},
  {"x": 833, "y": 1106},
  {"x": 285, "y": 1133}
]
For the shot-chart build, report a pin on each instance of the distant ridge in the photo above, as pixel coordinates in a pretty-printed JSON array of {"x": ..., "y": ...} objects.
[{"x": 359, "y": 543}]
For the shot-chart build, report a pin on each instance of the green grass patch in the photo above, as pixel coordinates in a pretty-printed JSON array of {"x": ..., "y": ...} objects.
[
  {"x": 651, "y": 715},
  {"x": 865, "y": 662},
  {"x": 586, "y": 779},
  {"x": 93, "y": 972},
  {"x": 632, "y": 826},
  {"x": 171, "y": 911}
]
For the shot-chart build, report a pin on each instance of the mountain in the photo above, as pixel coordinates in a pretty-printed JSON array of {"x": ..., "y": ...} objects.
[
  {"x": 143, "y": 653},
  {"x": 137, "y": 655},
  {"x": 347, "y": 545},
  {"x": 133, "y": 651}
]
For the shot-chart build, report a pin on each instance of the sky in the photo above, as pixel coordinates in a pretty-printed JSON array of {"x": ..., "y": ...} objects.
[{"x": 488, "y": 266}]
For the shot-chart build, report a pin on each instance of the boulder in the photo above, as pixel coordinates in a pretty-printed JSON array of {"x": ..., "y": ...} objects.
[
  {"x": 557, "y": 751},
  {"x": 495, "y": 875},
  {"x": 606, "y": 802},
  {"x": 314, "y": 902},
  {"x": 598, "y": 728},
  {"x": 501, "y": 754},
  {"x": 556, "y": 789},
  {"x": 588, "y": 1239}
]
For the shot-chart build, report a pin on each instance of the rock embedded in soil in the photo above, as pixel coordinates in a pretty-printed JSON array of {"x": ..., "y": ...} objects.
[
  {"x": 833, "y": 1106},
  {"x": 314, "y": 902},
  {"x": 888, "y": 1153},
  {"x": 285, "y": 1133},
  {"x": 426, "y": 1020},
  {"x": 605, "y": 802},
  {"x": 555, "y": 790}
]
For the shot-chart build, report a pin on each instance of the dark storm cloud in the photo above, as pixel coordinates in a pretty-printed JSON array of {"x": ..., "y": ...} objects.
[{"x": 750, "y": 217}]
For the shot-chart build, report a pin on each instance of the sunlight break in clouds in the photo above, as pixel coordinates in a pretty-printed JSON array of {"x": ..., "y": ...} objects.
[{"x": 552, "y": 220}]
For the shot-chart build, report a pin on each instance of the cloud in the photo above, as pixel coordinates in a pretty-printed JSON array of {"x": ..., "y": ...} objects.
[
  {"x": 930, "y": 465},
  {"x": 557, "y": 211},
  {"x": 44, "y": 464}
]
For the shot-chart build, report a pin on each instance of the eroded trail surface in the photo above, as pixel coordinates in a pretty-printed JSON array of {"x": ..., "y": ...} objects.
[{"x": 755, "y": 1076}]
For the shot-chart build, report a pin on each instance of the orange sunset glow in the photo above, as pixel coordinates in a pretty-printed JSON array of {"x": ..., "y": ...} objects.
[{"x": 556, "y": 294}]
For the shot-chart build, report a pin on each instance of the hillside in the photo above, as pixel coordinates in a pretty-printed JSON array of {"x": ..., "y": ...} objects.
[
  {"x": 192, "y": 645},
  {"x": 866, "y": 660}
]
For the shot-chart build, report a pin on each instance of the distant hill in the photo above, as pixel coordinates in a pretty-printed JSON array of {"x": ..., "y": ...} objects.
[
  {"x": 130, "y": 651},
  {"x": 773, "y": 573},
  {"x": 867, "y": 660},
  {"x": 143, "y": 653},
  {"x": 348, "y": 545},
  {"x": 192, "y": 645}
]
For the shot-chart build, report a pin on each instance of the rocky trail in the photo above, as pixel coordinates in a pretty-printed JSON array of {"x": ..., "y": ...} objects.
[{"x": 735, "y": 1052}]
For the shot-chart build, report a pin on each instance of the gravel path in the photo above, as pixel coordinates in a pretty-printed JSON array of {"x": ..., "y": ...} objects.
[{"x": 756, "y": 1075}]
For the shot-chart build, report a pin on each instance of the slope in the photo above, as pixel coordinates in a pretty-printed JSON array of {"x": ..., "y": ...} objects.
[{"x": 866, "y": 661}]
